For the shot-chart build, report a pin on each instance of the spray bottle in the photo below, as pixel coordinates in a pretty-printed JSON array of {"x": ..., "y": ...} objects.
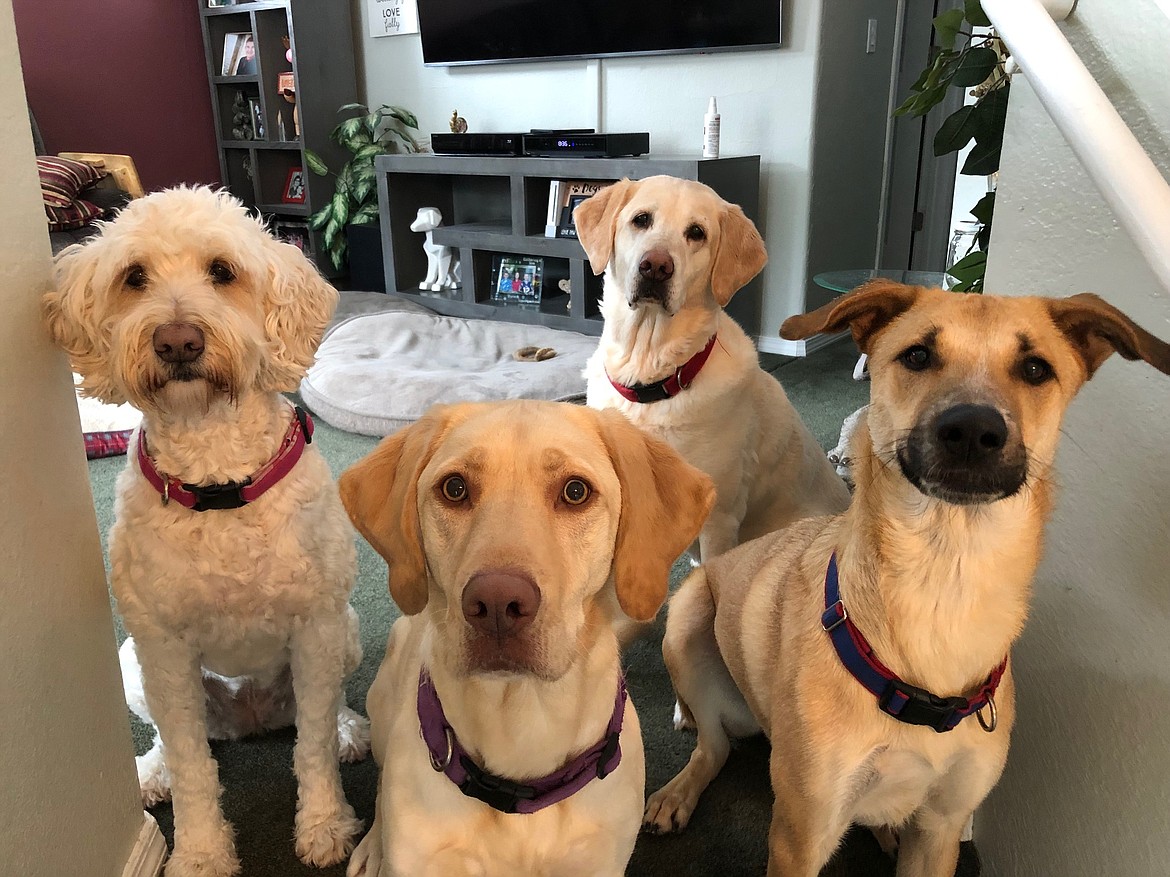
[{"x": 711, "y": 131}]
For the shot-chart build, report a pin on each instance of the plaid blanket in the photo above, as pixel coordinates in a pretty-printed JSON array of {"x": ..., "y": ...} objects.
[{"x": 106, "y": 444}]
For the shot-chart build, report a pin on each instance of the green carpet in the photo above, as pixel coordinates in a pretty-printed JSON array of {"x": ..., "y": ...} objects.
[{"x": 727, "y": 835}]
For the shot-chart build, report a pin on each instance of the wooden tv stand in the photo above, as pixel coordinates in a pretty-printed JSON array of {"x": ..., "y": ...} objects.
[{"x": 497, "y": 206}]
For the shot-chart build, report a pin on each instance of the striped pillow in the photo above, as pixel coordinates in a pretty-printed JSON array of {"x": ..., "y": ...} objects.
[
  {"x": 74, "y": 215},
  {"x": 62, "y": 179}
]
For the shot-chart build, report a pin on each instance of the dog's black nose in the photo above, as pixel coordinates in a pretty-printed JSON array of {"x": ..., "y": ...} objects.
[
  {"x": 500, "y": 604},
  {"x": 178, "y": 342},
  {"x": 656, "y": 265},
  {"x": 970, "y": 434}
]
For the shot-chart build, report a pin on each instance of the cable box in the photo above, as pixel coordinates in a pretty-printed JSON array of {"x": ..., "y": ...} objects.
[
  {"x": 477, "y": 144},
  {"x": 586, "y": 145}
]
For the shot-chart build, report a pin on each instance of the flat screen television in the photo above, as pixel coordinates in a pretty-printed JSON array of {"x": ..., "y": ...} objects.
[{"x": 495, "y": 31}]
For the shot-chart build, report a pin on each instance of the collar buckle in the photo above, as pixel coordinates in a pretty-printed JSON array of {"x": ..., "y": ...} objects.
[
  {"x": 219, "y": 496},
  {"x": 834, "y": 617},
  {"x": 497, "y": 792},
  {"x": 917, "y": 706}
]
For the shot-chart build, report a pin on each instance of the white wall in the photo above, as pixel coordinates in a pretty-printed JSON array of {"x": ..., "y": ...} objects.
[
  {"x": 70, "y": 803},
  {"x": 1087, "y": 786},
  {"x": 767, "y": 100}
]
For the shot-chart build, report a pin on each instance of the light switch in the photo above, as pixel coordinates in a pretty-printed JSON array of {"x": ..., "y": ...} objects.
[{"x": 871, "y": 37}]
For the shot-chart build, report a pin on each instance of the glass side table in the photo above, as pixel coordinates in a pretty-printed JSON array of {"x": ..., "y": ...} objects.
[{"x": 846, "y": 281}]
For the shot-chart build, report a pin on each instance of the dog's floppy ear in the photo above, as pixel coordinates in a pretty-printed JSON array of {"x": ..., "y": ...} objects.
[
  {"x": 380, "y": 493},
  {"x": 865, "y": 311},
  {"x": 70, "y": 313},
  {"x": 1097, "y": 329},
  {"x": 665, "y": 502},
  {"x": 741, "y": 254},
  {"x": 596, "y": 221},
  {"x": 298, "y": 303}
]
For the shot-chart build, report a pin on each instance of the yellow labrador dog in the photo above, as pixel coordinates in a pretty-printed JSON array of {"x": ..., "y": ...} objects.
[
  {"x": 499, "y": 717},
  {"x": 671, "y": 360},
  {"x": 872, "y": 647}
]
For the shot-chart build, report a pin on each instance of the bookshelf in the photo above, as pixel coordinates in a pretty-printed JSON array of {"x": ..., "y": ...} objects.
[
  {"x": 498, "y": 206},
  {"x": 256, "y": 166}
]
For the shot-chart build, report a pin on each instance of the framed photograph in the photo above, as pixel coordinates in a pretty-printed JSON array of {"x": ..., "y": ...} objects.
[
  {"x": 215, "y": 4},
  {"x": 239, "y": 54},
  {"x": 517, "y": 279},
  {"x": 295, "y": 233},
  {"x": 256, "y": 114},
  {"x": 294, "y": 186}
]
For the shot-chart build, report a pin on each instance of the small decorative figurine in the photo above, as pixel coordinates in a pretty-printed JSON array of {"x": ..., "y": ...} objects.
[
  {"x": 442, "y": 266},
  {"x": 458, "y": 123}
]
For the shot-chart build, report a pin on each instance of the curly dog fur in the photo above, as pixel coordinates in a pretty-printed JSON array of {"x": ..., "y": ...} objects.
[{"x": 240, "y": 618}]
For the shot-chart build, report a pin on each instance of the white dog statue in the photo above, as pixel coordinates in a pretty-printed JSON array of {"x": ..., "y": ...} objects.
[{"x": 442, "y": 266}]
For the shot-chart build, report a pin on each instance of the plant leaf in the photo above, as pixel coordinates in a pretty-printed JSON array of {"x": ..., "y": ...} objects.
[
  {"x": 365, "y": 216},
  {"x": 403, "y": 115},
  {"x": 956, "y": 130},
  {"x": 984, "y": 209},
  {"x": 330, "y": 234},
  {"x": 369, "y": 150},
  {"x": 947, "y": 26},
  {"x": 372, "y": 121},
  {"x": 922, "y": 103},
  {"x": 974, "y": 66},
  {"x": 315, "y": 163},
  {"x": 993, "y": 108},
  {"x": 983, "y": 158},
  {"x": 347, "y": 131},
  {"x": 344, "y": 107},
  {"x": 973, "y": 12},
  {"x": 317, "y": 220},
  {"x": 341, "y": 206},
  {"x": 970, "y": 266}
]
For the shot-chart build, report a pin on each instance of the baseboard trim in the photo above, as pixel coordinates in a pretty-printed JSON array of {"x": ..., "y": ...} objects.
[
  {"x": 804, "y": 347},
  {"x": 150, "y": 851}
]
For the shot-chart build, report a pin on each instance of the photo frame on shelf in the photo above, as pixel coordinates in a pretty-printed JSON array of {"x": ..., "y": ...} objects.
[
  {"x": 295, "y": 233},
  {"x": 517, "y": 279},
  {"x": 239, "y": 54},
  {"x": 294, "y": 186},
  {"x": 256, "y": 115}
]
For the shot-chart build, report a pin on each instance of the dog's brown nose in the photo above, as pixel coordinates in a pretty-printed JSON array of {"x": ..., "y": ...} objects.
[
  {"x": 971, "y": 434},
  {"x": 178, "y": 342},
  {"x": 656, "y": 265},
  {"x": 500, "y": 604}
]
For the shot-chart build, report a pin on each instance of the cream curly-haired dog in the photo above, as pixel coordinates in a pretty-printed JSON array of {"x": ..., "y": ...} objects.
[{"x": 186, "y": 307}]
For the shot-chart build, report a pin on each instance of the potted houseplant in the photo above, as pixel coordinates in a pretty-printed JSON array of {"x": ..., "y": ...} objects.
[
  {"x": 349, "y": 220},
  {"x": 976, "y": 60}
]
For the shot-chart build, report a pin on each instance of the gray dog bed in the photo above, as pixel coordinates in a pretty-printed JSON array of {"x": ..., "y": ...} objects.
[{"x": 378, "y": 372}]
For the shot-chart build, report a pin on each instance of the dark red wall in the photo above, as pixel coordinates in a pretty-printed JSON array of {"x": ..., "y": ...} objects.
[{"x": 121, "y": 76}]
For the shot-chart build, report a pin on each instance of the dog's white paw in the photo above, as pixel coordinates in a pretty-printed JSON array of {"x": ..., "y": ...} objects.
[
  {"x": 326, "y": 838},
  {"x": 153, "y": 779},
  {"x": 209, "y": 859},
  {"x": 683, "y": 721},
  {"x": 366, "y": 860},
  {"x": 667, "y": 811},
  {"x": 353, "y": 735}
]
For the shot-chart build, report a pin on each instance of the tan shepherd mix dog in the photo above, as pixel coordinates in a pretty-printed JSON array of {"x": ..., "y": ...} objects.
[{"x": 935, "y": 558}]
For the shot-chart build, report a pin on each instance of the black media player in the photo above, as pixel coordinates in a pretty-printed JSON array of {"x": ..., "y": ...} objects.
[
  {"x": 477, "y": 144},
  {"x": 586, "y": 145}
]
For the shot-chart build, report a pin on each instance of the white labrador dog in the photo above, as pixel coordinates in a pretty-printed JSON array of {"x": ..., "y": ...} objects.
[
  {"x": 513, "y": 531},
  {"x": 232, "y": 559},
  {"x": 670, "y": 358}
]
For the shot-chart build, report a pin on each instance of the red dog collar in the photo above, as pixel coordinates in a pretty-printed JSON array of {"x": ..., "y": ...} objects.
[
  {"x": 669, "y": 387},
  {"x": 234, "y": 494}
]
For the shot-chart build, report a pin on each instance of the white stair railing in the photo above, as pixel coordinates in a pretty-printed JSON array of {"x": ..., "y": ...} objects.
[{"x": 1130, "y": 183}]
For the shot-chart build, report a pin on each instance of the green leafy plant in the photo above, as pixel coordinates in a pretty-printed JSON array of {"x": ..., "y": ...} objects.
[
  {"x": 978, "y": 63},
  {"x": 366, "y": 135}
]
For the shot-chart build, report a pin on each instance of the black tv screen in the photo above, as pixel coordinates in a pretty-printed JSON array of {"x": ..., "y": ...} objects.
[{"x": 492, "y": 31}]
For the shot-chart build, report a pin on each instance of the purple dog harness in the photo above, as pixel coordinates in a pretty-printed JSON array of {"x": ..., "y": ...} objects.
[{"x": 507, "y": 796}]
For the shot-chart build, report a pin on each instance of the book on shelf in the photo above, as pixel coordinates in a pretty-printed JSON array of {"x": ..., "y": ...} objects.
[{"x": 563, "y": 198}]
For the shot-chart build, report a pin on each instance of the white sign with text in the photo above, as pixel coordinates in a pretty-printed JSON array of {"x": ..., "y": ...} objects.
[{"x": 389, "y": 18}]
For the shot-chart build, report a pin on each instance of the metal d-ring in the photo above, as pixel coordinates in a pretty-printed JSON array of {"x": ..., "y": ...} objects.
[
  {"x": 441, "y": 766},
  {"x": 988, "y": 726}
]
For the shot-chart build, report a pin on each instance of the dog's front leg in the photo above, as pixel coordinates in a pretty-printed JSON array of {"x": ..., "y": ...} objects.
[
  {"x": 325, "y": 822},
  {"x": 929, "y": 845},
  {"x": 173, "y": 685},
  {"x": 806, "y": 827}
]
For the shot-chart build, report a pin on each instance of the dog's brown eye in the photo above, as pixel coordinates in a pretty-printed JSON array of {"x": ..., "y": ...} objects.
[
  {"x": 221, "y": 272},
  {"x": 455, "y": 488},
  {"x": 575, "y": 491},
  {"x": 642, "y": 220},
  {"x": 136, "y": 277},
  {"x": 1035, "y": 371},
  {"x": 696, "y": 233},
  {"x": 915, "y": 358}
]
